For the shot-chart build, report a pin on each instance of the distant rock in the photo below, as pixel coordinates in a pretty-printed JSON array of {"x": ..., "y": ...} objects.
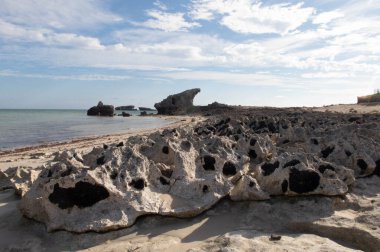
[
  {"x": 128, "y": 107},
  {"x": 177, "y": 104},
  {"x": 143, "y": 113},
  {"x": 146, "y": 109},
  {"x": 125, "y": 114},
  {"x": 101, "y": 110}
]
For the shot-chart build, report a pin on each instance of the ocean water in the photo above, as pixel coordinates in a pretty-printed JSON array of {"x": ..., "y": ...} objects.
[{"x": 20, "y": 128}]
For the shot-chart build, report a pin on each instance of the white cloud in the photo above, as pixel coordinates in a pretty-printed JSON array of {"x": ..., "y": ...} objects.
[
  {"x": 327, "y": 17},
  {"x": 82, "y": 77},
  {"x": 13, "y": 32},
  {"x": 169, "y": 22},
  {"x": 160, "y": 5},
  {"x": 248, "y": 16},
  {"x": 57, "y": 14}
]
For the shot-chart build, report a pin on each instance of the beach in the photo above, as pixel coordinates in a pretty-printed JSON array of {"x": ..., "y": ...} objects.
[{"x": 313, "y": 223}]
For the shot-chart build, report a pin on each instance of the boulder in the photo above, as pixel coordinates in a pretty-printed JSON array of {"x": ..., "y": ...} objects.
[
  {"x": 101, "y": 110},
  {"x": 125, "y": 114},
  {"x": 176, "y": 104}
]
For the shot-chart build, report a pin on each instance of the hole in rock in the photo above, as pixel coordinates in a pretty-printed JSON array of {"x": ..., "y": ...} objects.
[
  {"x": 362, "y": 165},
  {"x": 164, "y": 181},
  {"x": 84, "y": 194},
  {"x": 314, "y": 141},
  {"x": 252, "y": 154},
  {"x": 348, "y": 153},
  {"x": 209, "y": 163},
  {"x": 269, "y": 168},
  {"x": 120, "y": 144},
  {"x": 284, "y": 186},
  {"x": 113, "y": 174},
  {"x": 105, "y": 146},
  {"x": 138, "y": 184},
  {"x": 251, "y": 184},
  {"x": 100, "y": 161},
  {"x": 229, "y": 169},
  {"x": 165, "y": 150},
  {"x": 185, "y": 145},
  {"x": 205, "y": 189},
  {"x": 293, "y": 162},
  {"x": 167, "y": 173},
  {"x": 326, "y": 152},
  {"x": 303, "y": 181},
  {"x": 252, "y": 142},
  {"x": 377, "y": 169},
  {"x": 323, "y": 168},
  {"x": 285, "y": 141}
]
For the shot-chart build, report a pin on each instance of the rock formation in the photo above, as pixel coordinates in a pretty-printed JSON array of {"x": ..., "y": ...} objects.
[
  {"x": 127, "y": 107},
  {"x": 176, "y": 104},
  {"x": 184, "y": 171},
  {"x": 101, "y": 110}
]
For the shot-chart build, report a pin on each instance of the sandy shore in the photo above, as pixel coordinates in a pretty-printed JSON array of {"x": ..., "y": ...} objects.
[
  {"x": 315, "y": 223},
  {"x": 34, "y": 156}
]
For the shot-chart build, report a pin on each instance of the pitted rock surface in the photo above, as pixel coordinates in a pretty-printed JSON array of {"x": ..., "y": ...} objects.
[{"x": 185, "y": 171}]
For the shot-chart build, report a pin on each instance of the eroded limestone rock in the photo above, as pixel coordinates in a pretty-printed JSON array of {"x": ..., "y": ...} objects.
[
  {"x": 185, "y": 171},
  {"x": 18, "y": 178},
  {"x": 178, "y": 103}
]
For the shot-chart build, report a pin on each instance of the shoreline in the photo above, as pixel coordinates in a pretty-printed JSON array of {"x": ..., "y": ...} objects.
[{"x": 43, "y": 152}]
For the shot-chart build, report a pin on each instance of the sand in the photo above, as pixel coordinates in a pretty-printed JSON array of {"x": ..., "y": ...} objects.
[{"x": 312, "y": 223}]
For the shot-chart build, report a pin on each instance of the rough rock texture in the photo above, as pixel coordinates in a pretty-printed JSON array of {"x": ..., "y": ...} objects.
[
  {"x": 184, "y": 171},
  {"x": 177, "y": 104},
  {"x": 18, "y": 178},
  {"x": 101, "y": 110}
]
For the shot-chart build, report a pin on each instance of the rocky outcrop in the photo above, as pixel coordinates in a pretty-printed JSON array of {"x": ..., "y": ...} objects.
[
  {"x": 184, "y": 171},
  {"x": 101, "y": 110},
  {"x": 146, "y": 109},
  {"x": 127, "y": 107},
  {"x": 177, "y": 104}
]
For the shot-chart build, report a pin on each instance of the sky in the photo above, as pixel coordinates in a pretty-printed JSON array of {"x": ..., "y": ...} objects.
[{"x": 72, "y": 53}]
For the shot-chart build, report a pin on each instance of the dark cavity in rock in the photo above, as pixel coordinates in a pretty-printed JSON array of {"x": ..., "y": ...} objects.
[
  {"x": 377, "y": 169},
  {"x": 362, "y": 165},
  {"x": 229, "y": 169},
  {"x": 165, "y": 150},
  {"x": 164, "y": 181},
  {"x": 138, "y": 184},
  {"x": 293, "y": 162},
  {"x": 348, "y": 153},
  {"x": 100, "y": 161},
  {"x": 120, "y": 144},
  {"x": 205, "y": 189},
  {"x": 284, "y": 186},
  {"x": 269, "y": 168},
  {"x": 326, "y": 152},
  {"x": 209, "y": 163},
  {"x": 253, "y": 142},
  {"x": 252, "y": 154},
  {"x": 167, "y": 173},
  {"x": 83, "y": 195},
  {"x": 323, "y": 168},
  {"x": 314, "y": 141},
  {"x": 251, "y": 184},
  {"x": 303, "y": 181}
]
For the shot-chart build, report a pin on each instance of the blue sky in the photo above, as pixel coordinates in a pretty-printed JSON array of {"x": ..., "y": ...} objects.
[{"x": 72, "y": 53}]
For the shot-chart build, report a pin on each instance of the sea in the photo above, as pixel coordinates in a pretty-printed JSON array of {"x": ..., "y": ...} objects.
[{"x": 30, "y": 127}]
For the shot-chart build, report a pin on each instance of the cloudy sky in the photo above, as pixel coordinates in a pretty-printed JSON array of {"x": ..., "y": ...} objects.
[{"x": 72, "y": 53}]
